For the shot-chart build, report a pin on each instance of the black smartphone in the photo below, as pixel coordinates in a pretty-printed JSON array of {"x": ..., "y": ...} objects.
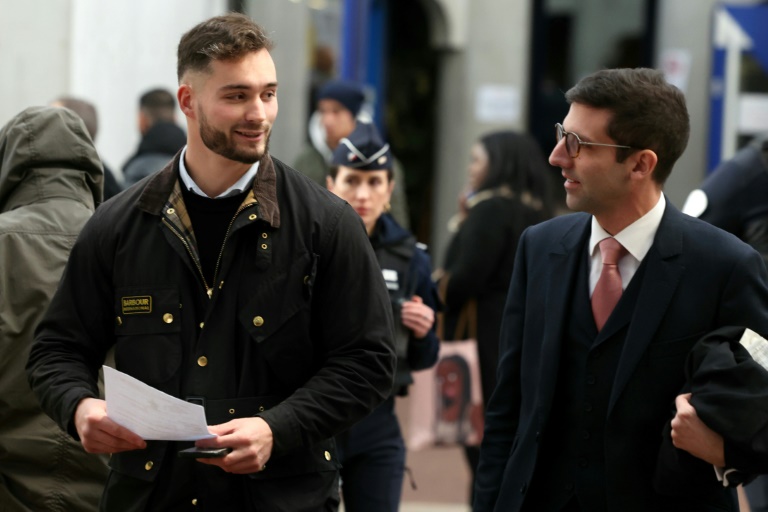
[{"x": 204, "y": 453}]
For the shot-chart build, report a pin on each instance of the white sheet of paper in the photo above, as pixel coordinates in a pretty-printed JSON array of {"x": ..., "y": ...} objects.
[{"x": 150, "y": 413}]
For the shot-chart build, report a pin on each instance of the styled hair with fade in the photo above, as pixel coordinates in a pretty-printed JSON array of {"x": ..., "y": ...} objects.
[
  {"x": 226, "y": 37},
  {"x": 647, "y": 112}
]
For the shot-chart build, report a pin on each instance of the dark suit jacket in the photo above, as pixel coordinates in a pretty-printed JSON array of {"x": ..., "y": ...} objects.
[{"x": 697, "y": 278}]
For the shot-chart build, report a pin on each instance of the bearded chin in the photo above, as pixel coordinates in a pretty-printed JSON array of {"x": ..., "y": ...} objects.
[{"x": 218, "y": 142}]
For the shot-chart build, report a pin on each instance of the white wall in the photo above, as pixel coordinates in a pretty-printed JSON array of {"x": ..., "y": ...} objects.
[
  {"x": 108, "y": 53},
  {"x": 34, "y": 53}
]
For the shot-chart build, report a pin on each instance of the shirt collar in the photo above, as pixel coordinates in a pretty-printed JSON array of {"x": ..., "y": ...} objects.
[
  {"x": 239, "y": 186},
  {"x": 638, "y": 237}
]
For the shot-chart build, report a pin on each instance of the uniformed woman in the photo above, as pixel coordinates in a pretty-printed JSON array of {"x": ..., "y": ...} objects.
[{"x": 373, "y": 452}]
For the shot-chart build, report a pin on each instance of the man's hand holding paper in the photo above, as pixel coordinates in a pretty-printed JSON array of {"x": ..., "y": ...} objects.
[{"x": 99, "y": 434}]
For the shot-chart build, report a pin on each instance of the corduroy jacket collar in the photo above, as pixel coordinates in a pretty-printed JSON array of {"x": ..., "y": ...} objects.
[{"x": 160, "y": 188}]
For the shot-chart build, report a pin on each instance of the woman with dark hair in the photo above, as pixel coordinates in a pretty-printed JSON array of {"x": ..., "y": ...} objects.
[{"x": 507, "y": 192}]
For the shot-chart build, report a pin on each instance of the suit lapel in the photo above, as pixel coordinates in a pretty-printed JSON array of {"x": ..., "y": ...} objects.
[
  {"x": 663, "y": 271},
  {"x": 564, "y": 265}
]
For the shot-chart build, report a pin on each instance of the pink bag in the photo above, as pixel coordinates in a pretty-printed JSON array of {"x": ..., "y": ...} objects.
[{"x": 446, "y": 400}]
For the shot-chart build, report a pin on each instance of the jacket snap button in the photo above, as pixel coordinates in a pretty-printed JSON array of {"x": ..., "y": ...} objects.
[
  {"x": 264, "y": 246},
  {"x": 327, "y": 455},
  {"x": 252, "y": 216},
  {"x": 170, "y": 211},
  {"x": 231, "y": 411},
  {"x": 149, "y": 465},
  {"x": 194, "y": 501},
  {"x": 168, "y": 318},
  {"x": 202, "y": 361},
  {"x": 258, "y": 321},
  {"x": 264, "y": 235}
]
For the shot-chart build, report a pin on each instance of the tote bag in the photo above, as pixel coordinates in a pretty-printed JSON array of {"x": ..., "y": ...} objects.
[{"x": 446, "y": 400}]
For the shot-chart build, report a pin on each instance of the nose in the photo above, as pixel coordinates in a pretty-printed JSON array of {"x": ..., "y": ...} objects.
[
  {"x": 256, "y": 112},
  {"x": 363, "y": 192},
  {"x": 559, "y": 156}
]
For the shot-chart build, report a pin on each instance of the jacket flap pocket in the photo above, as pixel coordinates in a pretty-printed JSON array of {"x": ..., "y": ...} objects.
[
  {"x": 141, "y": 464},
  {"x": 676, "y": 347},
  {"x": 274, "y": 302}
]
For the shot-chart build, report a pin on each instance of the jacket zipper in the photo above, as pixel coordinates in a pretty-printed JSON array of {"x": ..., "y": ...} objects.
[
  {"x": 173, "y": 229},
  {"x": 208, "y": 289},
  {"x": 226, "y": 237}
]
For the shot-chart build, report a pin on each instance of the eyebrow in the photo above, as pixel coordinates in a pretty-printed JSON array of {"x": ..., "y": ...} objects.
[{"x": 239, "y": 87}]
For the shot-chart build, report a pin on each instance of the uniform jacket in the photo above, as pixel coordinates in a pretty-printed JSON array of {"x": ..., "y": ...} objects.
[
  {"x": 50, "y": 182},
  {"x": 296, "y": 327},
  {"x": 696, "y": 278},
  {"x": 407, "y": 271}
]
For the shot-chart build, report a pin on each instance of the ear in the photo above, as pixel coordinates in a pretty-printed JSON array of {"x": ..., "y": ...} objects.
[
  {"x": 186, "y": 96},
  {"x": 143, "y": 122},
  {"x": 390, "y": 189},
  {"x": 329, "y": 183},
  {"x": 644, "y": 163}
]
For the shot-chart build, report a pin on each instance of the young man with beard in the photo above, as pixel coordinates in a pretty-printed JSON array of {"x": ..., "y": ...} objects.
[{"x": 223, "y": 280}]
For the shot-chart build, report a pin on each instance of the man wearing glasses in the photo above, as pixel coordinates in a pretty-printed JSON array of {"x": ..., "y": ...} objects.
[{"x": 603, "y": 307}]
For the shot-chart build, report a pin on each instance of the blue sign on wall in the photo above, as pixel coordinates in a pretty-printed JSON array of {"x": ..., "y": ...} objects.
[{"x": 737, "y": 31}]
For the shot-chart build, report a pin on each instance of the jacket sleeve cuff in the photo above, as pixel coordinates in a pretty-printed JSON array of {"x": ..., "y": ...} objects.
[
  {"x": 70, "y": 402},
  {"x": 286, "y": 434}
]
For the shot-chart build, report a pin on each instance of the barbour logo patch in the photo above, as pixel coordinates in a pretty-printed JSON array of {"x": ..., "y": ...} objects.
[{"x": 134, "y": 305}]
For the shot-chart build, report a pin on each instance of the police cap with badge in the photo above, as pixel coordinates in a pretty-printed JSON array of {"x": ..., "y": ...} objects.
[{"x": 363, "y": 150}]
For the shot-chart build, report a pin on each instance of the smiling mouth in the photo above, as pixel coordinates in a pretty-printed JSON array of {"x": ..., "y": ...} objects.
[
  {"x": 249, "y": 135},
  {"x": 569, "y": 180}
]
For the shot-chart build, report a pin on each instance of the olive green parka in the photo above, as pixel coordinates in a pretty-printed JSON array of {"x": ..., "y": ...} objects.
[{"x": 50, "y": 183}]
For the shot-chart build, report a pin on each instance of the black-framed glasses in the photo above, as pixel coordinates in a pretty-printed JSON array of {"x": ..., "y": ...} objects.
[{"x": 573, "y": 142}]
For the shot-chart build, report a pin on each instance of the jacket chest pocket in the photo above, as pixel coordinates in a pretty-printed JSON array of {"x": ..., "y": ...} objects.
[
  {"x": 147, "y": 330},
  {"x": 277, "y": 317}
]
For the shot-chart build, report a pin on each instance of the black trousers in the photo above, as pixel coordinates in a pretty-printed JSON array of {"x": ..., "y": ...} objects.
[{"x": 372, "y": 455}]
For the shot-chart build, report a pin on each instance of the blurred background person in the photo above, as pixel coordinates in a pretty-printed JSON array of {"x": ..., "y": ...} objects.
[
  {"x": 507, "y": 191},
  {"x": 339, "y": 105},
  {"x": 87, "y": 112},
  {"x": 50, "y": 183},
  {"x": 161, "y": 137},
  {"x": 735, "y": 198},
  {"x": 372, "y": 452},
  {"x": 321, "y": 72}
]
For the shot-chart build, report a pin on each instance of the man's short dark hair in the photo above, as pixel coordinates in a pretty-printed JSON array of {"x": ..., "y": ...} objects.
[
  {"x": 648, "y": 112},
  {"x": 84, "y": 109},
  {"x": 226, "y": 37},
  {"x": 158, "y": 105}
]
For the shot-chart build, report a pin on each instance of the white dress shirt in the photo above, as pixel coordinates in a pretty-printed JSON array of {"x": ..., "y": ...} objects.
[{"x": 637, "y": 238}]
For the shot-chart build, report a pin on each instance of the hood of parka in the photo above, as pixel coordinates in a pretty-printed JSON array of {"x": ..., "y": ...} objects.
[{"x": 46, "y": 152}]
